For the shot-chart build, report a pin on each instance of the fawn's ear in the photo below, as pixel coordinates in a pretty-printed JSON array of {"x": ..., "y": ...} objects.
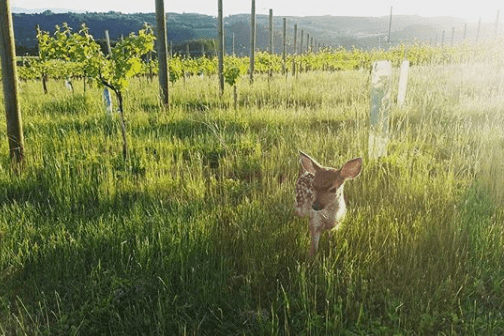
[
  {"x": 308, "y": 163},
  {"x": 352, "y": 168}
]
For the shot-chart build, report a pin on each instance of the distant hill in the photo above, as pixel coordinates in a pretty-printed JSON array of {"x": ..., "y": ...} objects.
[
  {"x": 41, "y": 10},
  {"x": 335, "y": 31}
]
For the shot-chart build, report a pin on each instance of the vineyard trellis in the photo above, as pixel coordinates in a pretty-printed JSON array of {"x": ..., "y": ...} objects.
[
  {"x": 112, "y": 71},
  {"x": 328, "y": 59}
]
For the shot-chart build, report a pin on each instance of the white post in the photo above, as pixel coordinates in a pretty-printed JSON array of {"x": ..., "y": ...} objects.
[
  {"x": 107, "y": 38},
  {"x": 380, "y": 108},
  {"x": 68, "y": 84},
  {"x": 107, "y": 99},
  {"x": 403, "y": 82}
]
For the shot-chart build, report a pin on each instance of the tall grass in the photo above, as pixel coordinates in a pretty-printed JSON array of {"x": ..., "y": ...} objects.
[{"x": 195, "y": 233}]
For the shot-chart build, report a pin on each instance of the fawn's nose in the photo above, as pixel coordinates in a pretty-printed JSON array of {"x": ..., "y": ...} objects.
[{"x": 316, "y": 206}]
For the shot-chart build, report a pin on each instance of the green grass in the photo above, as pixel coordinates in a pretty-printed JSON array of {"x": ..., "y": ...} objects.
[{"x": 195, "y": 234}]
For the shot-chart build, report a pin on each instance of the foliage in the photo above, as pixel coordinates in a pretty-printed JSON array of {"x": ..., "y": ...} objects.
[
  {"x": 326, "y": 59},
  {"x": 113, "y": 70},
  {"x": 234, "y": 67}
]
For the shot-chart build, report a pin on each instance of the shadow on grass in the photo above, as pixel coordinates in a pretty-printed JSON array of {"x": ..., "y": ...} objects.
[
  {"x": 70, "y": 104},
  {"x": 132, "y": 265}
]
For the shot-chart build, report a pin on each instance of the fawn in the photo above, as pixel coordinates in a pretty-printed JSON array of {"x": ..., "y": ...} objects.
[{"x": 319, "y": 194}]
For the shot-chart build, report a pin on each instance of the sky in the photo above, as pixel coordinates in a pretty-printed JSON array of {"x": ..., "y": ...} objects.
[{"x": 468, "y": 10}]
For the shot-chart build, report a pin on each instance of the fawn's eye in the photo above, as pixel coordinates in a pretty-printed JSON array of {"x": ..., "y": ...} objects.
[{"x": 333, "y": 190}]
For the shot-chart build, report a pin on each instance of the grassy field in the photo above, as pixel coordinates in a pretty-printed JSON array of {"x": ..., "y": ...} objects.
[{"x": 196, "y": 234}]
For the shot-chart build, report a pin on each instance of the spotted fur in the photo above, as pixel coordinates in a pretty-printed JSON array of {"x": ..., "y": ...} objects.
[{"x": 319, "y": 195}]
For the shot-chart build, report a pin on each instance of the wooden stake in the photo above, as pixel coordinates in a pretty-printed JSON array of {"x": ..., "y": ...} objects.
[
  {"x": 221, "y": 49},
  {"x": 294, "y": 52},
  {"x": 284, "y": 54},
  {"x": 390, "y": 25},
  {"x": 252, "y": 40},
  {"x": 162, "y": 53},
  {"x": 271, "y": 31},
  {"x": 10, "y": 85},
  {"x": 301, "y": 42}
]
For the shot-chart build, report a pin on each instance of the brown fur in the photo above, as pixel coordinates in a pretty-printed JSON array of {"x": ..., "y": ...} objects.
[{"x": 319, "y": 195}]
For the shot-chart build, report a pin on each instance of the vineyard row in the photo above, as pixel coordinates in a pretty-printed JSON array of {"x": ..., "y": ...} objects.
[{"x": 325, "y": 60}]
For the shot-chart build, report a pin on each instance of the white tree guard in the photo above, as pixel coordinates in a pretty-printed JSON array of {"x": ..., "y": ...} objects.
[
  {"x": 107, "y": 99},
  {"x": 380, "y": 109}
]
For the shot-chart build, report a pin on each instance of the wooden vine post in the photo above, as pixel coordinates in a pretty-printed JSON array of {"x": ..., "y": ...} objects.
[
  {"x": 294, "y": 51},
  {"x": 233, "y": 44},
  {"x": 270, "y": 71},
  {"x": 221, "y": 49},
  {"x": 390, "y": 25},
  {"x": 252, "y": 40},
  {"x": 10, "y": 85},
  {"x": 301, "y": 42},
  {"x": 284, "y": 53},
  {"x": 162, "y": 53},
  {"x": 271, "y": 31}
]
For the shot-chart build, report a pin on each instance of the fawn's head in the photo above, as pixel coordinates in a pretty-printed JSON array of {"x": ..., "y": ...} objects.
[{"x": 327, "y": 181}]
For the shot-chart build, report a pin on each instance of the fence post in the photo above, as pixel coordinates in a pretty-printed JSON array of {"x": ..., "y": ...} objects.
[
  {"x": 284, "y": 54},
  {"x": 233, "y": 44},
  {"x": 294, "y": 51},
  {"x": 271, "y": 49},
  {"x": 301, "y": 42},
  {"x": 221, "y": 49},
  {"x": 162, "y": 53},
  {"x": 252, "y": 40},
  {"x": 390, "y": 26},
  {"x": 10, "y": 85},
  {"x": 381, "y": 75}
]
